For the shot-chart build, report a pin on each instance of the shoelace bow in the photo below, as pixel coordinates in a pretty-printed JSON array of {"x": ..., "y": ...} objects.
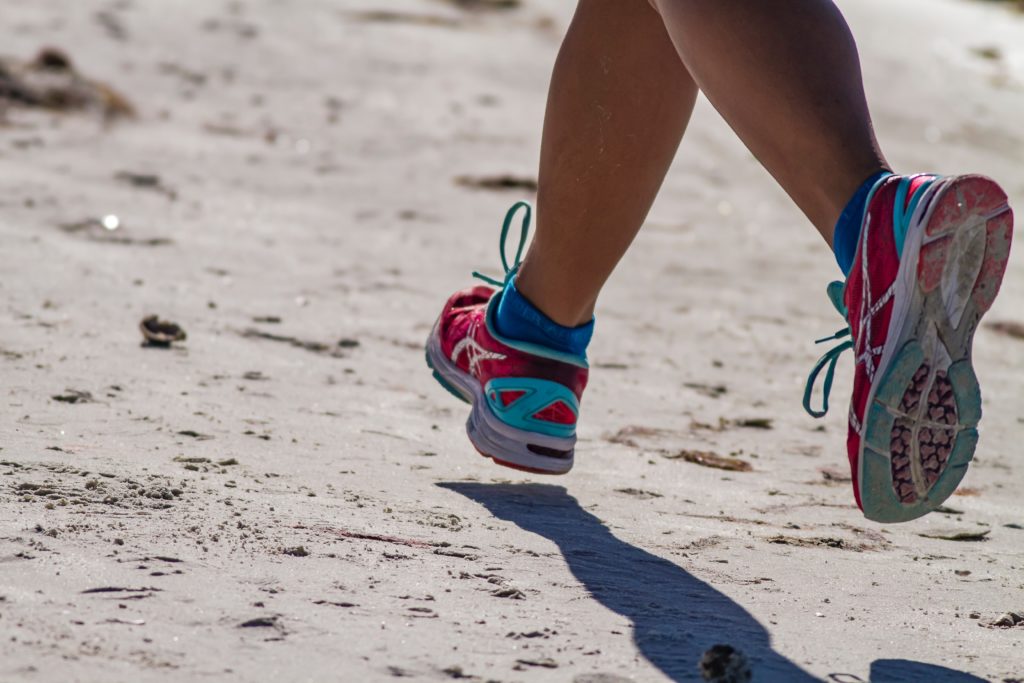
[
  {"x": 831, "y": 357},
  {"x": 524, "y": 230}
]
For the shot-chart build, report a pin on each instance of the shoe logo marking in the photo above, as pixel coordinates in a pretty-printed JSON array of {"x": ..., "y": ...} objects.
[
  {"x": 868, "y": 355},
  {"x": 475, "y": 353}
]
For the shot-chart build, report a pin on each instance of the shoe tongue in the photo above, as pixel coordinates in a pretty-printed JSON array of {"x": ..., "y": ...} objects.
[{"x": 835, "y": 292}]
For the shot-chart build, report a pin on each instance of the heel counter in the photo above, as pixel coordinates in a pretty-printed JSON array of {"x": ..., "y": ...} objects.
[{"x": 534, "y": 405}]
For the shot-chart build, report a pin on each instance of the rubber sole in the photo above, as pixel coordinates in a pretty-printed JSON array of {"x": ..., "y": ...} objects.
[
  {"x": 920, "y": 427},
  {"x": 505, "y": 445}
]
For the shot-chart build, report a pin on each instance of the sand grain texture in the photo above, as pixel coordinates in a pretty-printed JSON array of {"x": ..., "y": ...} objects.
[{"x": 287, "y": 495}]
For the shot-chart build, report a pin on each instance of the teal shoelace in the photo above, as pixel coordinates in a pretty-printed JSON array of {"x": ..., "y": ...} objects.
[
  {"x": 524, "y": 230},
  {"x": 828, "y": 361}
]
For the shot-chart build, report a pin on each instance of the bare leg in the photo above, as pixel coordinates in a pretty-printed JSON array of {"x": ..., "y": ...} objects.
[
  {"x": 783, "y": 73},
  {"x": 786, "y": 77},
  {"x": 619, "y": 102}
]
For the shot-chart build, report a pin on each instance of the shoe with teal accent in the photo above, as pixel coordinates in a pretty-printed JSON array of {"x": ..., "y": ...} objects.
[
  {"x": 525, "y": 397},
  {"x": 930, "y": 260}
]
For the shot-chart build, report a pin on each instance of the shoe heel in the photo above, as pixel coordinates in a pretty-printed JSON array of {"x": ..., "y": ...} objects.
[
  {"x": 966, "y": 244},
  {"x": 517, "y": 448}
]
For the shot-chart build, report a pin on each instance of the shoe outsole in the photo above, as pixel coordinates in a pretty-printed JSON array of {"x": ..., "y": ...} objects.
[
  {"x": 920, "y": 427},
  {"x": 505, "y": 445}
]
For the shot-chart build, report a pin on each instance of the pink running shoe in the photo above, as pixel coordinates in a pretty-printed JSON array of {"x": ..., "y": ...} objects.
[
  {"x": 931, "y": 257},
  {"x": 525, "y": 397}
]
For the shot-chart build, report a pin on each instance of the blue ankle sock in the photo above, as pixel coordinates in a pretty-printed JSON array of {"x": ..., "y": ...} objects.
[
  {"x": 518, "y": 319},
  {"x": 847, "y": 233}
]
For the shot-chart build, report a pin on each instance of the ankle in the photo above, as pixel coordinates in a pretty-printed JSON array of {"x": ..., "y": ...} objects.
[
  {"x": 558, "y": 302},
  {"x": 838, "y": 195},
  {"x": 846, "y": 233},
  {"x": 517, "y": 318}
]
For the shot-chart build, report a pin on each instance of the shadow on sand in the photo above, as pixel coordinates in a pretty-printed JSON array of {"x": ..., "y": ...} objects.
[{"x": 676, "y": 617}]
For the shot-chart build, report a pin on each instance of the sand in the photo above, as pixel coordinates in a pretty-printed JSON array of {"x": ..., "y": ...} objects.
[{"x": 287, "y": 495}]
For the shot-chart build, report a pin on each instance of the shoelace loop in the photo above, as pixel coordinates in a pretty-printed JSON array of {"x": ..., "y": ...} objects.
[
  {"x": 524, "y": 231},
  {"x": 831, "y": 357}
]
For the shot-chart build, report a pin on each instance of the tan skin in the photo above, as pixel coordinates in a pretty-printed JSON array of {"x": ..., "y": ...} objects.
[{"x": 784, "y": 74}]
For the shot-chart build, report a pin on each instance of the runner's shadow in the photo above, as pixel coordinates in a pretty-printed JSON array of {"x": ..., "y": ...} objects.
[
  {"x": 905, "y": 671},
  {"x": 676, "y": 617}
]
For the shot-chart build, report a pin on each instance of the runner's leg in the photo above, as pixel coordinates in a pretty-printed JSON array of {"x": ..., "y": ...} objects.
[{"x": 619, "y": 101}]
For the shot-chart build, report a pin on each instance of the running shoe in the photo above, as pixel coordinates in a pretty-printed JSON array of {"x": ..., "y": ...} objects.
[
  {"x": 525, "y": 397},
  {"x": 930, "y": 259}
]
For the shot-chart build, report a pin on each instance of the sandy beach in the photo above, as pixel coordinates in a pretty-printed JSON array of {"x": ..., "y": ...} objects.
[{"x": 287, "y": 495}]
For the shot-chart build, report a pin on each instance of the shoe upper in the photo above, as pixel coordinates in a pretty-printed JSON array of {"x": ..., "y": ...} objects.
[{"x": 528, "y": 387}]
